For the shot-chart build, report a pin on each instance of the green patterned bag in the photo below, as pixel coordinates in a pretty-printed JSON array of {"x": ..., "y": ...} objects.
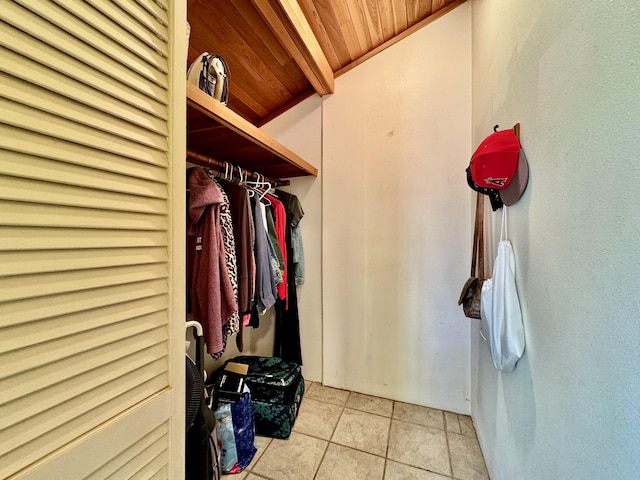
[{"x": 276, "y": 388}]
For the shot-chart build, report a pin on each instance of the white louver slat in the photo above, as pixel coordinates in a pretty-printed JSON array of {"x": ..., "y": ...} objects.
[{"x": 87, "y": 239}]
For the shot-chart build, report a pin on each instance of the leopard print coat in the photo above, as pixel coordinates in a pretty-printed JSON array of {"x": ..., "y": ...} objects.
[{"x": 232, "y": 327}]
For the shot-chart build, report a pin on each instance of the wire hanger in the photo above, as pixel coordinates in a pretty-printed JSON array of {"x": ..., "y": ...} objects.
[
  {"x": 244, "y": 182},
  {"x": 265, "y": 193},
  {"x": 261, "y": 186},
  {"x": 240, "y": 178}
]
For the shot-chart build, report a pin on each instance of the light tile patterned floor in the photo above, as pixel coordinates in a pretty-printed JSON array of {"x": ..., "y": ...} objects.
[{"x": 341, "y": 435}]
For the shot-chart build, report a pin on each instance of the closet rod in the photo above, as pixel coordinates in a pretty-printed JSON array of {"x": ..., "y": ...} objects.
[{"x": 219, "y": 166}]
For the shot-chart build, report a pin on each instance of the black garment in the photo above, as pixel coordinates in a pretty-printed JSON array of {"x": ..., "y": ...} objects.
[
  {"x": 243, "y": 233},
  {"x": 293, "y": 205},
  {"x": 287, "y": 332},
  {"x": 254, "y": 321}
]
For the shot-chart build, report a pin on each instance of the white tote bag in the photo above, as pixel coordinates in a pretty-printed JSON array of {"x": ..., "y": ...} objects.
[{"x": 500, "y": 307}]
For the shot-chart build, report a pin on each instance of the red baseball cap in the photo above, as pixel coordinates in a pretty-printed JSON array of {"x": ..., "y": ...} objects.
[{"x": 497, "y": 162}]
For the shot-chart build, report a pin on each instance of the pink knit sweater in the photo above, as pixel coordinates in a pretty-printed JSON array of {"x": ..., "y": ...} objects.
[{"x": 212, "y": 298}]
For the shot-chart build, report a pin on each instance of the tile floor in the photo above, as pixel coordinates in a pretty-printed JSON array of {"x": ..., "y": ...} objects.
[{"x": 349, "y": 436}]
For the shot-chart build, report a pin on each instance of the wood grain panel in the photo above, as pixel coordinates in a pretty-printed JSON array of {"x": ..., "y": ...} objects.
[
  {"x": 372, "y": 15},
  {"x": 425, "y": 9},
  {"x": 240, "y": 142},
  {"x": 262, "y": 76},
  {"x": 256, "y": 58},
  {"x": 287, "y": 20},
  {"x": 387, "y": 23},
  {"x": 356, "y": 12},
  {"x": 265, "y": 79},
  {"x": 318, "y": 27},
  {"x": 443, "y": 11},
  {"x": 400, "y": 16}
]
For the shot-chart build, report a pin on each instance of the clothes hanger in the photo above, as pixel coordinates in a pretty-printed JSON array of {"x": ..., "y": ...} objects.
[
  {"x": 240, "y": 179},
  {"x": 266, "y": 200},
  {"x": 244, "y": 182},
  {"x": 258, "y": 180},
  {"x": 229, "y": 175},
  {"x": 261, "y": 186}
]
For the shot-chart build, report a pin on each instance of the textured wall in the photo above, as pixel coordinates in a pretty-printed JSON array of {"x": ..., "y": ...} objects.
[
  {"x": 396, "y": 220},
  {"x": 300, "y": 129},
  {"x": 569, "y": 72}
]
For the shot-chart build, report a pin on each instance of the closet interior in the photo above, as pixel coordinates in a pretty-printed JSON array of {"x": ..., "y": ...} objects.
[
  {"x": 225, "y": 139},
  {"x": 244, "y": 247}
]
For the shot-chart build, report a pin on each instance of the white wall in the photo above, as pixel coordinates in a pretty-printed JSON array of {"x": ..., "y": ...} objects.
[
  {"x": 569, "y": 72},
  {"x": 300, "y": 129},
  {"x": 396, "y": 220}
]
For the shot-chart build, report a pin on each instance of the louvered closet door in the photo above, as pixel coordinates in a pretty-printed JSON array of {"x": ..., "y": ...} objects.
[{"x": 90, "y": 263}]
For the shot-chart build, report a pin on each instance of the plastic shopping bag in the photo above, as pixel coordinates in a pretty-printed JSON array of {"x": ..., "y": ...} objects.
[{"x": 236, "y": 433}]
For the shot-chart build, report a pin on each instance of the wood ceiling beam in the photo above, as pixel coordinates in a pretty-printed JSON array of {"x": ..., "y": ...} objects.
[{"x": 291, "y": 28}]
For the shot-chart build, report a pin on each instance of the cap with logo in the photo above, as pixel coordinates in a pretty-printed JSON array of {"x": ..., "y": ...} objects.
[
  {"x": 500, "y": 164},
  {"x": 492, "y": 193}
]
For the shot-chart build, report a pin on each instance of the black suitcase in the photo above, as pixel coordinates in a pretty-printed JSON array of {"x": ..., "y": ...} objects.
[{"x": 276, "y": 388}]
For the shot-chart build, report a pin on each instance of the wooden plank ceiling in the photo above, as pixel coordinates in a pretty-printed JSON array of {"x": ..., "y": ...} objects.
[{"x": 281, "y": 51}]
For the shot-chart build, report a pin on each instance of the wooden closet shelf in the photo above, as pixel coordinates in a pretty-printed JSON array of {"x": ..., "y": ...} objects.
[{"x": 218, "y": 132}]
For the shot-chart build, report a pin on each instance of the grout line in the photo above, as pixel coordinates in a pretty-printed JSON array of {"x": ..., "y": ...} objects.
[
  {"x": 324, "y": 454},
  {"x": 249, "y": 469},
  {"x": 386, "y": 459},
  {"x": 421, "y": 469},
  {"x": 358, "y": 450},
  {"x": 365, "y": 411},
  {"x": 333, "y": 432},
  {"x": 386, "y": 453},
  {"x": 329, "y": 442},
  {"x": 419, "y": 424},
  {"x": 446, "y": 436}
]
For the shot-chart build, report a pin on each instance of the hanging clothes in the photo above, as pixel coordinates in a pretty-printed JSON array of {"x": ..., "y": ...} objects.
[
  {"x": 232, "y": 327},
  {"x": 277, "y": 260},
  {"x": 274, "y": 268},
  {"x": 296, "y": 211},
  {"x": 265, "y": 288},
  {"x": 213, "y": 301},
  {"x": 243, "y": 230},
  {"x": 287, "y": 334},
  {"x": 281, "y": 223}
]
